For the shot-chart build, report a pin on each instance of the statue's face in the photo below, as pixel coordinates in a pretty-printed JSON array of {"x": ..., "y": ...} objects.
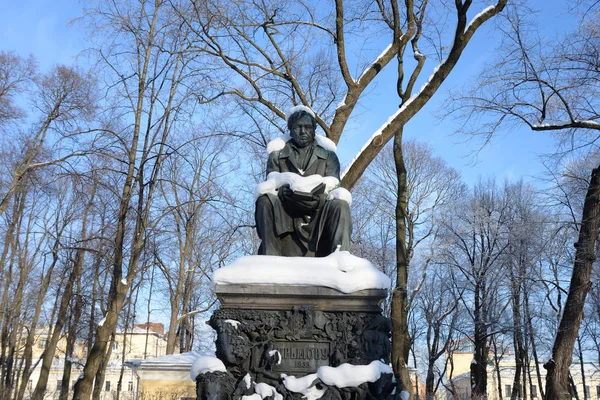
[{"x": 302, "y": 131}]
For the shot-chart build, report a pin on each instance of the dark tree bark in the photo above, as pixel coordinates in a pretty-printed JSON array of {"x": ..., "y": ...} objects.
[
  {"x": 71, "y": 339},
  {"x": 557, "y": 377},
  {"x": 400, "y": 334},
  {"x": 481, "y": 343}
]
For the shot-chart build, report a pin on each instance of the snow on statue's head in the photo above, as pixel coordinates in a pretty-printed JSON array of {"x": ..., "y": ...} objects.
[{"x": 296, "y": 112}]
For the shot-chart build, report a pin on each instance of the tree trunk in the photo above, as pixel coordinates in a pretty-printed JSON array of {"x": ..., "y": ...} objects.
[
  {"x": 517, "y": 387},
  {"x": 48, "y": 356},
  {"x": 400, "y": 335},
  {"x": 557, "y": 377},
  {"x": 27, "y": 354},
  {"x": 186, "y": 330},
  {"x": 101, "y": 373},
  {"x": 480, "y": 358},
  {"x": 71, "y": 339},
  {"x": 5, "y": 311},
  {"x": 149, "y": 312},
  {"x": 532, "y": 341},
  {"x": 582, "y": 366},
  {"x": 497, "y": 368}
]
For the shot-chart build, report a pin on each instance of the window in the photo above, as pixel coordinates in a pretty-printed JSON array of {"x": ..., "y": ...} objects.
[
  {"x": 507, "y": 391},
  {"x": 58, "y": 384},
  {"x": 116, "y": 346},
  {"x": 107, "y": 386},
  {"x": 130, "y": 386},
  {"x": 586, "y": 390},
  {"x": 42, "y": 343},
  {"x": 598, "y": 392},
  {"x": 534, "y": 391},
  {"x": 30, "y": 385}
]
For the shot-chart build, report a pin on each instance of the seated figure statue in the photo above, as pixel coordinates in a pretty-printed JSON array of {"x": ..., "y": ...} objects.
[{"x": 293, "y": 223}]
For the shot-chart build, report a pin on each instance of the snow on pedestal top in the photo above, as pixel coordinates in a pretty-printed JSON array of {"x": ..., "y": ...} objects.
[{"x": 340, "y": 270}]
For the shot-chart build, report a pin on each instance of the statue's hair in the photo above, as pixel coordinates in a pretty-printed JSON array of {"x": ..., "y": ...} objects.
[{"x": 299, "y": 114}]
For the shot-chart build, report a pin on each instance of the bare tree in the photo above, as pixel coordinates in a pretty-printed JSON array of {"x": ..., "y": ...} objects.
[
  {"x": 65, "y": 299},
  {"x": 557, "y": 378},
  {"x": 147, "y": 96},
  {"x": 525, "y": 240},
  {"x": 548, "y": 84},
  {"x": 476, "y": 240},
  {"x": 550, "y": 88},
  {"x": 437, "y": 305},
  {"x": 192, "y": 191},
  {"x": 16, "y": 74},
  {"x": 63, "y": 99}
]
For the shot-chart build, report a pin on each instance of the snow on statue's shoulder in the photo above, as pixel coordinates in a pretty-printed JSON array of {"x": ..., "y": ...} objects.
[
  {"x": 279, "y": 142},
  {"x": 341, "y": 271}
]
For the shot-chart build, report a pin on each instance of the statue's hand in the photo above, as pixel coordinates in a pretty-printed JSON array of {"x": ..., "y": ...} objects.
[
  {"x": 285, "y": 194},
  {"x": 302, "y": 205}
]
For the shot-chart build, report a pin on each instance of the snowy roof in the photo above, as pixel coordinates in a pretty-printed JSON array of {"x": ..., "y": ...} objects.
[
  {"x": 140, "y": 331},
  {"x": 179, "y": 361}
]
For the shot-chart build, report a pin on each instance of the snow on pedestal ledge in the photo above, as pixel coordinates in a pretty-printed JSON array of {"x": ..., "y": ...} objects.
[
  {"x": 347, "y": 375},
  {"x": 205, "y": 364},
  {"x": 340, "y": 270},
  {"x": 344, "y": 376}
]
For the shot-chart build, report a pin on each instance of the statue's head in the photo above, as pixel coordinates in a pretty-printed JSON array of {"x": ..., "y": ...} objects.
[{"x": 302, "y": 125}]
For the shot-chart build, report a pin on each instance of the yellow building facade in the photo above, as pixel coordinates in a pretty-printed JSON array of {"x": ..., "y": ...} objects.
[{"x": 136, "y": 344}]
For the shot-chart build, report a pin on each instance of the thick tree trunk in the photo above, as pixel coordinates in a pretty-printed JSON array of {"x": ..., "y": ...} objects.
[
  {"x": 517, "y": 387},
  {"x": 101, "y": 373},
  {"x": 400, "y": 335},
  {"x": 83, "y": 387},
  {"x": 557, "y": 377},
  {"x": 40, "y": 388},
  {"x": 480, "y": 358}
]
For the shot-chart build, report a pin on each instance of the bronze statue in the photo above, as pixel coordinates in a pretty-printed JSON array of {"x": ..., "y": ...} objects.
[{"x": 298, "y": 223}]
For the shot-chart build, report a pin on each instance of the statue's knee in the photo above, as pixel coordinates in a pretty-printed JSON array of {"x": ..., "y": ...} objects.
[
  {"x": 340, "y": 206},
  {"x": 263, "y": 202}
]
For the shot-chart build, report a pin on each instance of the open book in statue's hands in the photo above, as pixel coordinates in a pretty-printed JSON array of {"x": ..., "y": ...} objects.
[
  {"x": 303, "y": 202},
  {"x": 312, "y": 195}
]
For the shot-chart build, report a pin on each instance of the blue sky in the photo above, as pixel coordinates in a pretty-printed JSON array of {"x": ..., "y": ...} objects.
[{"x": 42, "y": 28}]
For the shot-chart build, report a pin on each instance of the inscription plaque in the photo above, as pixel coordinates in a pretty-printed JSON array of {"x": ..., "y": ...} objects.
[{"x": 301, "y": 357}]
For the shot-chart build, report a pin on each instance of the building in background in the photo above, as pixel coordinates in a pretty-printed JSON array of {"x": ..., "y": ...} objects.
[
  {"x": 501, "y": 379},
  {"x": 166, "y": 377},
  {"x": 142, "y": 341}
]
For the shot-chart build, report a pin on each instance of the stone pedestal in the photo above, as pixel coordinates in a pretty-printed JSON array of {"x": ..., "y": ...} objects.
[
  {"x": 266, "y": 331},
  {"x": 285, "y": 298}
]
